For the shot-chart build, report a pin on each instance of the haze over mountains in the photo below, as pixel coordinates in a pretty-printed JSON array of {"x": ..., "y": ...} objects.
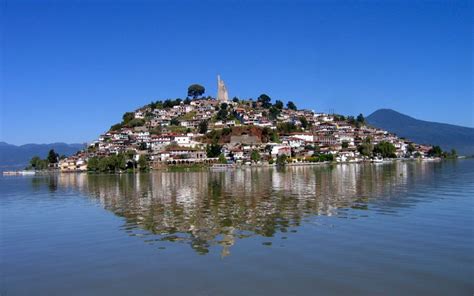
[
  {"x": 17, "y": 157},
  {"x": 447, "y": 136}
]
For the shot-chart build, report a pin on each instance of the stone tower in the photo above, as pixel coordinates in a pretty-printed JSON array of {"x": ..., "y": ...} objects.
[{"x": 222, "y": 94}]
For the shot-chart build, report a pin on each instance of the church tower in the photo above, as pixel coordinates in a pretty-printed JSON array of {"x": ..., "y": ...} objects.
[{"x": 222, "y": 94}]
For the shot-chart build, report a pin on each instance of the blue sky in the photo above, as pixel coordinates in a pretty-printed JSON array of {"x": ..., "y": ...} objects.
[{"x": 70, "y": 69}]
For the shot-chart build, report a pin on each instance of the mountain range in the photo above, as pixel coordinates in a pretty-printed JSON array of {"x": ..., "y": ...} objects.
[
  {"x": 447, "y": 136},
  {"x": 17, "y": 157}
]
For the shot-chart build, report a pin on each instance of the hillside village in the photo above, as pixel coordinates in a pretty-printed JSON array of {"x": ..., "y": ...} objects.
[{"x": 207, "y": 130}]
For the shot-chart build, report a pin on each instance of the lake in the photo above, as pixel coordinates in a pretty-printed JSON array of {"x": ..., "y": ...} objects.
[{"x": 403, "y": 228}]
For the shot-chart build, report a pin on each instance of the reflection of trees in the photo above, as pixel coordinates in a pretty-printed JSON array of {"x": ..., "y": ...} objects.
[{"x": 207, "y": 208}]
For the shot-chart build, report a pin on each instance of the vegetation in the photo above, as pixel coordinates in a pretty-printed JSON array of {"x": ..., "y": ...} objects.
[
  {"x": 143, "y": 163},
  {"x": 53, "y": 157},
  {"x": 36, "y": 163},
  {"x": 114, "y": 163},
  {"x": 366, "y": 148},
  {"x": 196, "y": 90},
  {"x": 287, "y": 127},
  {"x": 203, "y": 126},
  {"x": 222, "y": 158},
  {"x": 264, "y": 100},
  {"x": 255, "y": 156},
  {"x": 290, "y": 105},
  {"x": 385, "y": 150},
  {"x": 281, "y": 160},
  {"x": 213, "y": 150}
]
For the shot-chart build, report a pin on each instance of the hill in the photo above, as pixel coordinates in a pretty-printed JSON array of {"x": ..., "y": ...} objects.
[
  {"x": 447, "y": 136},
  {"x": 17, "y": 157}
]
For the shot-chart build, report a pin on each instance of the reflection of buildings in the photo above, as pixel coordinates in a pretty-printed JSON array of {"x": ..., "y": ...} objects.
[{"x": 206, "y": 209}]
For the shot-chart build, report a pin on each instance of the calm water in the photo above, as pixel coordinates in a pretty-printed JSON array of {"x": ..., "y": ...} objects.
[{"x": 391, "y": 229}]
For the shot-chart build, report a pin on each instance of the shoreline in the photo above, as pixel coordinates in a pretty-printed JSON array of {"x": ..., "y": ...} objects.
[{"x": 223, "y": 167}]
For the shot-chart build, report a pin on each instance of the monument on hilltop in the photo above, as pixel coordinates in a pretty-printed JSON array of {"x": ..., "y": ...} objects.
[{"x": 222, "y": 94}]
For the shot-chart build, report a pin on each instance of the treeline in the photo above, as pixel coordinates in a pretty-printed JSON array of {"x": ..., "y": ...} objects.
[
  {"x": 36, "y": 163},
  {"x": 117, "y": 163}
]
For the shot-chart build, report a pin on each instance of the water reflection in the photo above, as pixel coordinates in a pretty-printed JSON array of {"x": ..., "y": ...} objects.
[{"x": 205, "y": 209}]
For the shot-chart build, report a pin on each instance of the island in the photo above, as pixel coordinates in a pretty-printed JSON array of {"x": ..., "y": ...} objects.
[{"x": 202, "y": 130}]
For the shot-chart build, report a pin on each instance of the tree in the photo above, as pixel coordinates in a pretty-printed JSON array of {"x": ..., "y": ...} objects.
[
  {"x": 274, "y": 112},
  {"x": 290, "y": 105},
  {"x": 345, "y": 144},
  {"x": 143, "y": 163},
  {"x": 385, "y": 149},
  {"x": 52, "y": 156},
  {"x": 196, "y": 90},
  {"x": 411, "y": 148},
  {"x": 255, "y": 156},
  {"x": 435, "y": 151},
  {"x": 264, "y": 100},
  {"x": 116, "y": 127},
  {"x": 203, "y": 126},
  {"x": 222, "y": 158},
  {"x": 136, "y": 122},
  {"x": 187, "y": 101},
  {"x": 174, "y": 121},
  {"x": 365, "y": 148},
  {"x": 222, "y": 114},
  {"x": 360, "y": 118},
  {"x": 128, "y": 116},
  {"x": 235, "y": 100},
  {"x": 157, "y": 130},
  {"x": 304, "y": 122},
  {"x": 93, "y": 164},
  {"x": 213, "y": 150},
  {"x": 281, "y": 160},
  {"x": 278, "y": 104}
]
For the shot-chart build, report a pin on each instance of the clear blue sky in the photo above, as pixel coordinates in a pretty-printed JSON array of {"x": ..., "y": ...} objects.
[{"x": 70, "y": 69}]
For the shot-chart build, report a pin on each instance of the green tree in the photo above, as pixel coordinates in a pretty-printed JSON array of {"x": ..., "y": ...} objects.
[
  {"x": 360, "y": 118},
  {"x": 127, "y": 117},
  {"x": 345, "y": 144},
  {"x": 174, "y": 121},
  {"x": 52, "y": 156},
  {"x": 222, "y": 158},
  {"x": 196, "y": 90},
  {"x": 274, "y": 112},
  {"x": 136, "y": 122},
  {"x": 435, "y": 151},
  {"x": 255, "y": 156},
  {"x": 143, "y": 163},
  {"x": 304, "y": 122},
  {"x": 278, "y": 104},
  {"x": 235, "y": 100},
  {"x": 222, "y": 114},
  {"x": 385, "y": 149},
  {"x": 116, "y": 127},
  {"x": 411, "y": 148},
  {"x": 290, "y": 105},
  {"x": 213, "y": 150},
  {"x": 203, "y": 126},
  {"x": 264, "y": 100},
  {"x": 93, "y": 164},
  {"x": 281, "y": 160},
  {"x": 366, "y": 148}
]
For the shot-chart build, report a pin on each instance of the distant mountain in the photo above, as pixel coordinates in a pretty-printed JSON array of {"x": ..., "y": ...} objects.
[
  {"x": 447, "y": 136},
  {"x": 17, "y": 157}
]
